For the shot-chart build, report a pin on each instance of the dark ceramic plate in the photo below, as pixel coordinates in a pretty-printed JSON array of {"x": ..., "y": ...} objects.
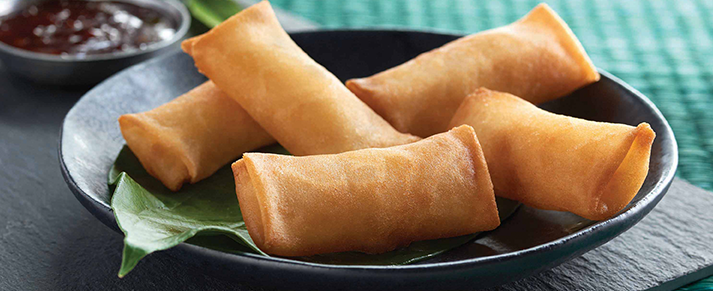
[{"x": 530, "y": 241}]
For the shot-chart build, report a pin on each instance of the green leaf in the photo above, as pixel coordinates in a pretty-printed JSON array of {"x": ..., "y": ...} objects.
[
  {"x": 208, "y": 214},
  {"x": 212, "y": 12},
  {"x": 153, "y": 218}
]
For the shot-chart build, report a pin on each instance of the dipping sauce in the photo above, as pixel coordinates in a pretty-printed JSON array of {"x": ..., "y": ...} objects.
[{"x": 81, "y": 28}]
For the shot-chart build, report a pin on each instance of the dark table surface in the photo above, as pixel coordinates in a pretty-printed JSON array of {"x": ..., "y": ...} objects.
[{"x": 48, "y": 241}]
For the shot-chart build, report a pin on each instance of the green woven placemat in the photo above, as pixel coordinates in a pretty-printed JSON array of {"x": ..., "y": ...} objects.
[{"x": 662, "y": 48}]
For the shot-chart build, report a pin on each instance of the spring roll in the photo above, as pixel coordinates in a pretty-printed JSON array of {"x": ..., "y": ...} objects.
[
  {"x": 301, "y": 104},
  {"x": 557, "y": 162},
  {"x": 371, "y": 200},
  {"x": 191, "y": 137},
  {"x": 536, "y": 58}
]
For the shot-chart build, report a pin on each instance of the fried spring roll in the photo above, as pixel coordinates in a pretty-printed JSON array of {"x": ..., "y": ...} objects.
[
  {"x": 191, "y": 137},
  {"x": 301, "y": 104},
  {"x": 371, "y": 200},
  {"x": 556, "y": 162},
  {"x": 537, "y": 58}
]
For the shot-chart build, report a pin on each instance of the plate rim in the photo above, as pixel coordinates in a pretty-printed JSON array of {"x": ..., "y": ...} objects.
[{"x": 641, "y": 208}]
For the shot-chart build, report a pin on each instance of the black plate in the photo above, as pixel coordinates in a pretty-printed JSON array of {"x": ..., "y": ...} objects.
[{"x": 530, "y": 241}]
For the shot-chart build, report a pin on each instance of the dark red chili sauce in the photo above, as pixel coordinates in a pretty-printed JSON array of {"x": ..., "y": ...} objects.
[{"x": 80, "y": 28}]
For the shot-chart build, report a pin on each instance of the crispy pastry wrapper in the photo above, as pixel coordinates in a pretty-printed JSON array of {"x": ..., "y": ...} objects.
[
  {"x": 557, "y": 162},
  {"x": 371, "y": 200},
  {"x": 191, "y": 137},
  {"x": 301, "y": 104},
  {"x": 537, "y": 58}
]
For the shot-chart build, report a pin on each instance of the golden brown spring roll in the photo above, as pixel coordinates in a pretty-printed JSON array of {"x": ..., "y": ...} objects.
[
  {"x": 191, "y": 137},
  {"x": 371, "y": 200},
  {"x": 301, "y": 104},
  {"x": 557, "y": 162},
  {"x": 537, "y": 58}
]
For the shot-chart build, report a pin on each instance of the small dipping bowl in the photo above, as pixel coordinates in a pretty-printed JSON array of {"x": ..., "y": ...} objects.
[{"x": 72, "y": 70}]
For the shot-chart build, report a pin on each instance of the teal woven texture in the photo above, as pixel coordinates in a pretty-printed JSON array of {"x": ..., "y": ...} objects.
[{"x": 663, "y": 48}]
